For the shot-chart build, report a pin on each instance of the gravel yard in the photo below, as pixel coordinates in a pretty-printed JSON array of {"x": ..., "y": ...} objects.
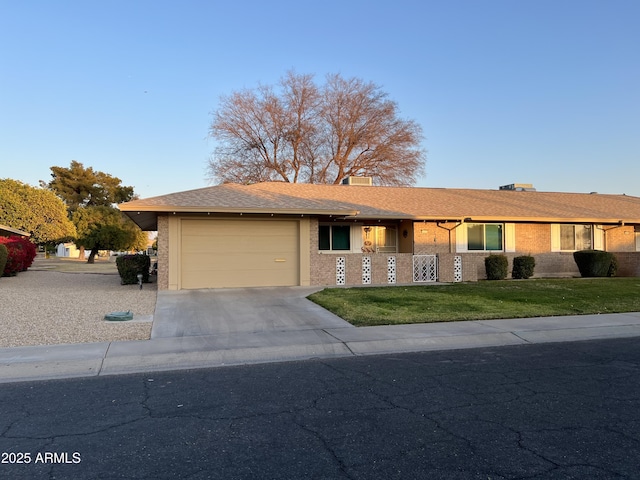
[{"x": 44, "y": 306}]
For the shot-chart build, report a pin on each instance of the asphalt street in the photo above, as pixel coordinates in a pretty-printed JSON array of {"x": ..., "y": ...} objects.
[{"x": 546, "y": 411}]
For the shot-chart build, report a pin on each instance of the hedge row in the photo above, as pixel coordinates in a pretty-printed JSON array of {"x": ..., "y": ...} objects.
[
  {"x": 497, "y": 266},
  {"x": 591, "y": 263},
  {"x": 20, "y": 254}
]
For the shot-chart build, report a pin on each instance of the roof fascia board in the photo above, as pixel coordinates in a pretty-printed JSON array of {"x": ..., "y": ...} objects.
[
  {"x": 14, "y": 231},
  {"x": 283, "y": 211},
  {"x": 487, "y": 219}
]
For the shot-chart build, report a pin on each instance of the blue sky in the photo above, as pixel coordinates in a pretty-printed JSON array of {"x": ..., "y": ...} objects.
[{"x": 526, "y": 91}]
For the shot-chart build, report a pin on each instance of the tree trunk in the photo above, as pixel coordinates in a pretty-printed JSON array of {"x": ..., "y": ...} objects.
[
  {"x": 81, "y": 253},
  {"x": 92, "y": 255}
]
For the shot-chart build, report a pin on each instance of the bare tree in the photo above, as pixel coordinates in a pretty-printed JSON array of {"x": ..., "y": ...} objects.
[{"x": 311, "y": 134}]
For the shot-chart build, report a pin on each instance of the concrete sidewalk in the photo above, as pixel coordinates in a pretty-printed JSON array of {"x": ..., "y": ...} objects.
[{"x": 163, "y": 353}]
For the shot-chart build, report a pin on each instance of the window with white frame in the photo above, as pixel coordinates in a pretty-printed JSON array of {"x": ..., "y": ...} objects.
[
  {"x": 573, "y": 237},
  {"x": 576, "y": 237},
  {"x": 484, "y": 236},
  {"x": 636, "y": 229},
  {"x": 334, "y": 237},
  {"x": 380, "y": 239}
]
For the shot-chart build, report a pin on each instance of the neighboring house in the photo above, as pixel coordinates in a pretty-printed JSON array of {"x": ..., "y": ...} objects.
[
  {"x": 68, "y": 250},
  {"x": 6, "y": 231},
  {"x": 277, "y": 234}
]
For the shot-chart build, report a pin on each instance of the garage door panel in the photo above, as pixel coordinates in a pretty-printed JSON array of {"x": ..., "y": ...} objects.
[
  {"x": 230, "y": 253},
  {"x": 213, "y": 263},
  {"x": 231, "y": 244}
]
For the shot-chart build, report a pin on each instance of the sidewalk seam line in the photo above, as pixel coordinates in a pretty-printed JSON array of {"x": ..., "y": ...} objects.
[
  {"x": 342, "y": 342},
  {"x": 104, "y": 357},
  {"x": 521, "y": 338}
]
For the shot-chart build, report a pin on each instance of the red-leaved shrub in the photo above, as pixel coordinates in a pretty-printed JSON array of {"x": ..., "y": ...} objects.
[{"x": 21, "y": 251}]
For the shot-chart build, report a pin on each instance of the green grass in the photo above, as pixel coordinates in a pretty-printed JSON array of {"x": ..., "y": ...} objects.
[{"x": 480, "y": 301}]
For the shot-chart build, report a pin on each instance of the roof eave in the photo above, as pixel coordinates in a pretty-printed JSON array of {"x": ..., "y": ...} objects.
[
  {"x": 501, "y": 219},
  {"x": 244, "y": 210},
  {"x": 14, "y": 231}
]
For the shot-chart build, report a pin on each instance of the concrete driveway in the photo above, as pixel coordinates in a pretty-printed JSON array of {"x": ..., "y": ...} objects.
[{"x": 188, "y": 313}]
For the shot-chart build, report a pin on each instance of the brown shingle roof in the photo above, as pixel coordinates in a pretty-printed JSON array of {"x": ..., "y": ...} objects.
[{"x": 396, "y": 202}]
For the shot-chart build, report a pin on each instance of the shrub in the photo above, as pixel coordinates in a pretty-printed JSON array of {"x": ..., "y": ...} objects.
[
  {"x": 17, "y": 256},
  {"x": 129, "y": 266},
  {"x": 4, "y": 255},
  {"x": 595, "y": 263},
  {"x": 29, "y": 249},
  {"x": 496, "y": 267},
  {"x": 523, "y": 266}
]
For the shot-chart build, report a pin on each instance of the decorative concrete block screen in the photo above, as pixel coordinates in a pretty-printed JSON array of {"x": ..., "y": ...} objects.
[
  {"x": 391, "y": 270},
  {"x": 366, "y": 270},
  {"x": 341, "y": 271},
  {"x": 457, "y": 268}
]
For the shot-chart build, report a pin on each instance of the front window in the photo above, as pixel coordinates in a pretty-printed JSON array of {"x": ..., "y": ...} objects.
[
  {"x": 334, "y": 237},
  {"x": 381, "y": 239},
  {"x": 576, "y": 237},
  {"x": 484, "y": 236}
]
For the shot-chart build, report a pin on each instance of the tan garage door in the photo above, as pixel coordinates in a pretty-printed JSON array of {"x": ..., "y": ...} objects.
[{"x": 239, "y": 253}]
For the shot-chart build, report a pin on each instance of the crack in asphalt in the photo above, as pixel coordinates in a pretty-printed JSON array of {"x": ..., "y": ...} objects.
[{"x": 514, "y": 414}]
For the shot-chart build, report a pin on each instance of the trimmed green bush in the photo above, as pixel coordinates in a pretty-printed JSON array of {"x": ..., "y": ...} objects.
[
  {"x": 496, "y": 267},
  {"x": 523, "y": 266},
  {"x": 4, "y": 255},
  {"x": 129, "y": 266},
  {"x": 595, "y": 263}
]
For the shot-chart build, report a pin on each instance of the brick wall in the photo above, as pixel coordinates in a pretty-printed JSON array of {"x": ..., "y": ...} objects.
[
  {"x": 323, "y": 268},
  {"x": 163, "y": 252},
  {"x": 533, "y": 238},
  {"x": 550, "y": 265},
  {"x": 628, "y": 264},
  {"x": 620, "y": 239},
  {"x": 555, "y": 264},
  {"x": 429, "y": 239}
]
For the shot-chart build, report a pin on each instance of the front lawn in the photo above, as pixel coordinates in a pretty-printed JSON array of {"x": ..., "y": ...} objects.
[{"x": 480, "y": 301}]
